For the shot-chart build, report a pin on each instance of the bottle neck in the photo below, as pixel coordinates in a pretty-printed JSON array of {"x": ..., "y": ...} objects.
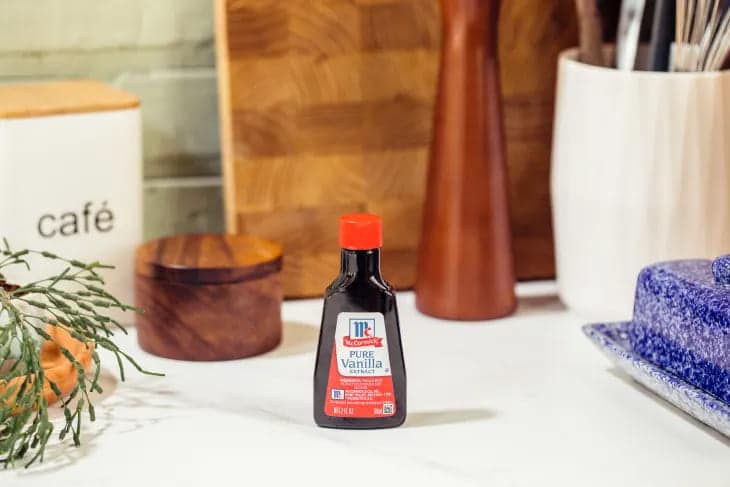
[{"x": 360, "y": 263}]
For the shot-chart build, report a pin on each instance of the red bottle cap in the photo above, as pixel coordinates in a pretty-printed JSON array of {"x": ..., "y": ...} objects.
[{"x": 361, "y": 231}]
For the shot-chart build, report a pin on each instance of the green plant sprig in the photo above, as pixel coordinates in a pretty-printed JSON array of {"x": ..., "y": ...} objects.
[{"x": 70, "y": 300}]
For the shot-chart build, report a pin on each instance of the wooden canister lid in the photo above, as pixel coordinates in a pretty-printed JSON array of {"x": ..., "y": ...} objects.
[
  {"x": 208, "y": 258},
  {"x": 42, "y": 99}
]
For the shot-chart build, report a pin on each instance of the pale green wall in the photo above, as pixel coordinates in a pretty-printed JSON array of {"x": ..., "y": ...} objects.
[{"x": 161, "y": 50}]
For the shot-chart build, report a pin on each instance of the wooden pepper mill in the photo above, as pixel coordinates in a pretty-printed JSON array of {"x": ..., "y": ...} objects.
[{"x": 465, "y": 266}]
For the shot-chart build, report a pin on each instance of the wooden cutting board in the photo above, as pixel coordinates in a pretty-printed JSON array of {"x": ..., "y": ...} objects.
[{"x": 326, "y": 108}]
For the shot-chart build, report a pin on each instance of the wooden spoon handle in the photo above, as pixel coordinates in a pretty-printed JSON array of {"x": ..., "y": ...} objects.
[{"x": 591, "y": 32}]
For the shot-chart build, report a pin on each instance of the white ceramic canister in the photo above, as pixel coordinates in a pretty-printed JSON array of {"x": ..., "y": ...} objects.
[
  {"x": 71, "y": 176},
  {"x": 640, "y": 174}
]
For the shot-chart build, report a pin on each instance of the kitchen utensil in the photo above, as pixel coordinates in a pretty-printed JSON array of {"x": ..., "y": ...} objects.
[
  {"x": 662, "y": 34},
  {"x": 591, "y": 32},
  {"x": 627, "y": 38},
  {"x": 702, "y": 39},
  {"x": 465, "y": 268}
]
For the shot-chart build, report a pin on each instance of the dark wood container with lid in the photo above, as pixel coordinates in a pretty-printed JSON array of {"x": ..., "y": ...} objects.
[{"x": 209, "y": 297}]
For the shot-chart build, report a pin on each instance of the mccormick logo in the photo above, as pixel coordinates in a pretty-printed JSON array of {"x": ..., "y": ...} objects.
[
  {"x": 362, "y": 333},
  {"x": 361, "y": 328}
]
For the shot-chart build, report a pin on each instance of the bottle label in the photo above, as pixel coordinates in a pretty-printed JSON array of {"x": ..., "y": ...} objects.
[{"x": 360, "y": 383}]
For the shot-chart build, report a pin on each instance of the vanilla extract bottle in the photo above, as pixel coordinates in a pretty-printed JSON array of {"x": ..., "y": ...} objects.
[{"x": 359, "y": 376}]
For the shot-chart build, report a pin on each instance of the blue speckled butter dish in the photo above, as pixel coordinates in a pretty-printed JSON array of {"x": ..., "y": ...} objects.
[
  {"x": 613, "y": 340},
  {"x": 681, "y": 321}
]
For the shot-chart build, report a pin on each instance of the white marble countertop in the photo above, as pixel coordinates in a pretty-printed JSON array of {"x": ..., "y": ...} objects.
[{"x": 523, "y": 401}]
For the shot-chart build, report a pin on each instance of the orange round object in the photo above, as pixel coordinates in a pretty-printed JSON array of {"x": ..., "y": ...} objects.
[
  {"x": 361, "y": 231},
  {"x": 56, "y": 366}
]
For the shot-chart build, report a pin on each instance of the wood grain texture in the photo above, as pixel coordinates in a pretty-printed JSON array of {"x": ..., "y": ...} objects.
[
  {"x": 208, "y": 258},
  {"x": 532, "y": 33},
  {"x": 327, "y": 108},
  {"x": 465, "y": 267},
  {"x": 209, "y": 297},
  {"x": 26, "y": 100}
]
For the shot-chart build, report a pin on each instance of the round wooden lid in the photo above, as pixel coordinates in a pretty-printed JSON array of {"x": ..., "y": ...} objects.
[
  {"x": 208, "y": 258},
  {"x": 40, "y": 99}
]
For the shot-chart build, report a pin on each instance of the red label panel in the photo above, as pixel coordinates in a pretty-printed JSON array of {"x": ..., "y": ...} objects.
[{"x": 358, "y": 397}]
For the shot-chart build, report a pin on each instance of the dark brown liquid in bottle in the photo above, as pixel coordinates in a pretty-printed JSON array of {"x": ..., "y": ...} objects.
[{"x": 359, "y": 288}]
